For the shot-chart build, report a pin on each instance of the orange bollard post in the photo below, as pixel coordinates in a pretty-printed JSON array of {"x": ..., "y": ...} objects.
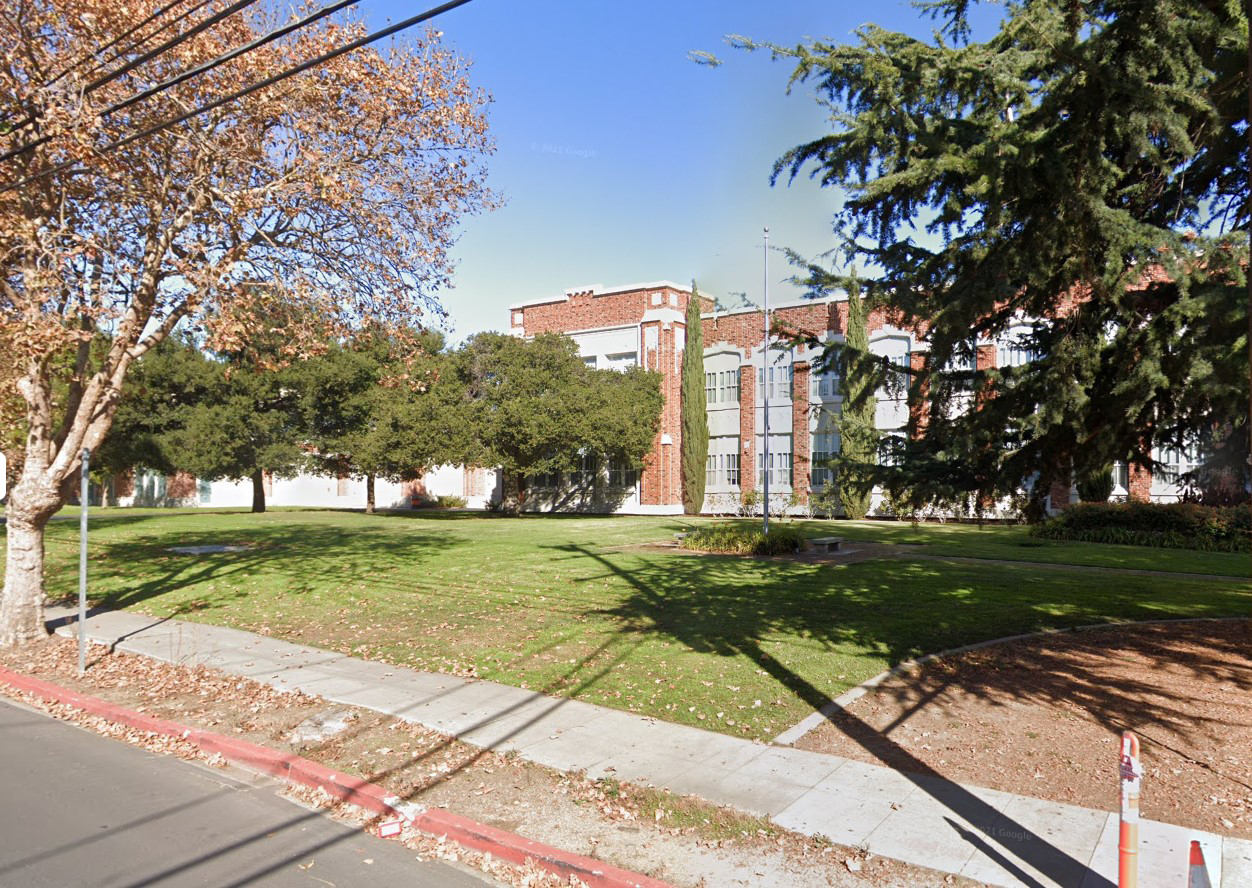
[
  {"x": 1128, "y": 841},
  {"x": 1198, "y": 871}
]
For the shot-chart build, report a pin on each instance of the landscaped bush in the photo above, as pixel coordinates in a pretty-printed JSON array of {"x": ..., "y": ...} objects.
[
  {"x": 1163, "y": 525},
  {"x": 735, "y": 539},
  {"x": 449, "y": 501}
]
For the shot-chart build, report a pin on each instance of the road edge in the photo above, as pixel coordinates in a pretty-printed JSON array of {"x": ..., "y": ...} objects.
[{"x": 346, "y": 788}]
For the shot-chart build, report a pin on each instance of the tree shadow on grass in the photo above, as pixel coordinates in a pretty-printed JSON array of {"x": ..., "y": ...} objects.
[
  {"x": 302, "y": 556},
  {"x": 896, "y": 610}
]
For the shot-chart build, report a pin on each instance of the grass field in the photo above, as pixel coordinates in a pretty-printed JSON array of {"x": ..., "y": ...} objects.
[{"x": 565, "y": 605}]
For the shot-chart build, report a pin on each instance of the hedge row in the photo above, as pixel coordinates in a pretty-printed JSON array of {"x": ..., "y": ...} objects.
[
  {"x": 1162, "y": 525},
  {"x": 736, "y": 539}
]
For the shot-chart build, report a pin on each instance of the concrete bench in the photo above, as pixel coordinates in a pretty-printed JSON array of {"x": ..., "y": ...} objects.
[{"x": 826, "y": 544}]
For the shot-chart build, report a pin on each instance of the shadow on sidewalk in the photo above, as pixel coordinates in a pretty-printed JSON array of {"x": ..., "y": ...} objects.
[{"x": 683, "y": 599}]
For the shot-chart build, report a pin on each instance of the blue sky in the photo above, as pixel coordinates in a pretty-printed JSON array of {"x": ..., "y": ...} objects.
[{"x": 623, "y": 161}]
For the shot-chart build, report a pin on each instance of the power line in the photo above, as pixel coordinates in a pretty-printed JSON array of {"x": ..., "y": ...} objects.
[
  {"x": 146, "y": 57},
  {"x": 262, "y": 84},
  {"x": 116, "y": 40},
  {"x": 170, "y": 44},
  {"x": 170, "y": 82},
  {"x": 186, "y": 14}
]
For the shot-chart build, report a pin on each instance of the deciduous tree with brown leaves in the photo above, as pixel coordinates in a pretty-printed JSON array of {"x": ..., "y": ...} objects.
[{"x": 338, "y": 190}]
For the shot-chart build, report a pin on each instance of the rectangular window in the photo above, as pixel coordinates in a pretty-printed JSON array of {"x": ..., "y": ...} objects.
[
  {"x": 826, "y": 385},
  {"x": 1173, "y": 463},
  {"x": 341, "y": 486},
  {"x": 778, "y": 386},
  {"x": 621, "y": 361},
  {"x": 779, "y": 460},
  {"x": 205, "y": 491},
  {"x": 590, "y": 362},
  {"x": 722, "y": 468},
  {"x": 710, "y": 388},
  {"x": 546, "y": 480},
  {"x": 891, "y": 449},
  {"x": 585, "y": 474},
  {"x": 729, "y": 388},
  {"x": 825, "y": 446},
  {"x": 622, "y": 475}
]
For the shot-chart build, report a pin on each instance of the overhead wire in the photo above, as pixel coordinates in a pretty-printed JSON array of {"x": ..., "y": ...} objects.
[
  {"x": 183, "y": 16},
  {"x": 96, "y": 53},
  {"x": 131, "y": 65},
  {"x": 199, "y": 69},
  {"x": 248, "y": 90}
]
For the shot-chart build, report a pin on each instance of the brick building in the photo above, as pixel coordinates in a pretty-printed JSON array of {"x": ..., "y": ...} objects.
[{"x": 645, "y": 324}]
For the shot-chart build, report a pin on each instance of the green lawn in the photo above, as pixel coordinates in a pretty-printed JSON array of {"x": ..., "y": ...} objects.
[{"x": 564, "y": 605}]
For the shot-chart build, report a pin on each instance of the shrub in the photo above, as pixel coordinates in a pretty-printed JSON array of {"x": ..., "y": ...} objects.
[
  {"x": 749, "y": 499},
  {"x": 1162, "y": 525},
  {"x": 448, "y": 501},
  {"x": 736, "y": 539},
  {"x": 1096, "y": 487}
]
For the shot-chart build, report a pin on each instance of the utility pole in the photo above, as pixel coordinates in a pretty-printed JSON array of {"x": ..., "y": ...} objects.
[
  {"x": 84, "y": 489},
  {"x": 765, "y": 382}
]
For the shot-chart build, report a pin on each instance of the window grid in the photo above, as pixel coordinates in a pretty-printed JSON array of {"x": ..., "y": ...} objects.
[
  {"x": 780, "y": 382},
  {"x": 825, "y": 446},
  {"x": 780, "y": 463},
  {"x": 585, "y": 474},
  {"x": 622, "y": 474}
]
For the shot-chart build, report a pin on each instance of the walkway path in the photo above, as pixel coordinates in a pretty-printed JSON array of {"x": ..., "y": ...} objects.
[{"x": 984, "y": 834}]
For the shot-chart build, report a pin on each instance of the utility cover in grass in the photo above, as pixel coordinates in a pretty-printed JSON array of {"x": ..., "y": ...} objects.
[{"x": 206, "y": 550}]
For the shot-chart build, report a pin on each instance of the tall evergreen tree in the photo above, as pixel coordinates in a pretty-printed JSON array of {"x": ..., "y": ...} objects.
[
  {"x": 858, "y": 435},
  {"x": 695, "y": 418},
  {"x": 1044, "y": 190}
]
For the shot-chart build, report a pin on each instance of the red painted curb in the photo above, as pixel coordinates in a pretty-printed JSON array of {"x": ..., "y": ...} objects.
[{"x": 288, "y": 766}]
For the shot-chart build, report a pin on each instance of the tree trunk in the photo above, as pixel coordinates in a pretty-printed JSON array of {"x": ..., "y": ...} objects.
[
  {"x": 258, "y": 491},
  {"x": 21, "y": 606},
  {"x": 369, "y": 494}
]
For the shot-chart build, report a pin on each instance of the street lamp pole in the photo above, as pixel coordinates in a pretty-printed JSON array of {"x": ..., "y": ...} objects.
[{"x": 765, "y": 380}]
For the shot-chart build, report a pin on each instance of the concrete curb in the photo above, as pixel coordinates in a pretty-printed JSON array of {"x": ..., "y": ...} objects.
[
  {"x": 346, "y": 788},
  {"x": 793, "y": 734}
]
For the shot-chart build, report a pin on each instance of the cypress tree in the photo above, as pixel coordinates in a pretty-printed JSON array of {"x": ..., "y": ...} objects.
[
  {"x": 695, "y": 419},
  {"x": 858, "y": 435}
]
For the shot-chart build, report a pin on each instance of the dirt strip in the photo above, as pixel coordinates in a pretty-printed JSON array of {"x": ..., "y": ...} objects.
[{"x": 1041, "y": 717}]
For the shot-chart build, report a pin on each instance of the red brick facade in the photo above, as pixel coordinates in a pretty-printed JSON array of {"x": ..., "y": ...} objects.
[
  {"x": 1139, "y": 484},
  {"x": 801, "y": 468},
  {"x": 657, "y": 310},
  {"x": 747, "y": 428},
  {"x": 181, "y": 486}
]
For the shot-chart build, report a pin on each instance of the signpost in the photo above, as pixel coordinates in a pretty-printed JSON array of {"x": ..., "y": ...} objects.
[
  {"x": 83, "y": 490},
  {"x": 1131, "y": 773}
]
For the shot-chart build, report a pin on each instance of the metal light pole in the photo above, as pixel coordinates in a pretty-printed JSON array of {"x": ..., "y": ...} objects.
[
  {"x": 765, "y": 389},
  {"x": 83, "y": 490}
]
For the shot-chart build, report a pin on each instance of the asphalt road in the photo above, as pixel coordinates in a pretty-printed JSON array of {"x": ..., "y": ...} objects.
[{"x": 78, "y": 809}]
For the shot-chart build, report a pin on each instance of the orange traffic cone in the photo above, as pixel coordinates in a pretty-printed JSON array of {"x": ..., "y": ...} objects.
[{"x": 1198, "y": 873}]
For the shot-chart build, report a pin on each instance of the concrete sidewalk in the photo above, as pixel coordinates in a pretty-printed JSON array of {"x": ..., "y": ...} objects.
[{"x": 991, "y": 836}]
